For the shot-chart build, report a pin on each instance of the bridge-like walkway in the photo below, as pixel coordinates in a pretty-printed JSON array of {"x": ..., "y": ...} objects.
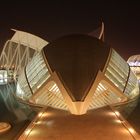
[{"x": 100, "y": 124}]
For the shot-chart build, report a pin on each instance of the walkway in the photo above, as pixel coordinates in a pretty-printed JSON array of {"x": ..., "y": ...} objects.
[{"x": 100, "y": 124}]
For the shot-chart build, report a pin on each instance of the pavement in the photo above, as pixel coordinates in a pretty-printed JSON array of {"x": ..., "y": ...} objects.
[{"x": 100, "y": 124}]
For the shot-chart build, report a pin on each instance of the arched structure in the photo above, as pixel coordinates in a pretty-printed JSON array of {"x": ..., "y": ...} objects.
[
  {"x": 134, "y": 63},
  {"x": 77, "y": 73},
  {"x": 16, "y": 54},
  {"x": 18, "y": 51},
  {"x": 71, "y": 76}
]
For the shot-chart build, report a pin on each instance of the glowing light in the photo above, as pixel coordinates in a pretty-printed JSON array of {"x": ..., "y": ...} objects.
[
  {"x": 35, "y": 132},
  {"x": 38, "y": 86},
  {"x": 57, "y": 90},
  {"x": 102, "y": 86},
  {"x": 40, "y": 114},
  {"x": 110, "y": 113},
  {"x": 117, "y": 113},
  {"x": 46, "y": 114},
  {"x": 27, "y": 131},
  {"x": 52, "y": 87},
  {"x": 118, "y": 121},
  {"x": 38, "y": 122},
  {"x": 131, "y": 130}
]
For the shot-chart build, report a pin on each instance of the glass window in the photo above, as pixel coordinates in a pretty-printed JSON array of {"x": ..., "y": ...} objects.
[
  {"x": 37, "y": 72},
  {"x": 132, "y": 85},
  {"x": 23, "y": 90},
  {"x": 3, "y": 76},
  {"x": 50, "y": 95},
  {"x": 103, "y": 96},
  {"x": 117, "y": 70}
]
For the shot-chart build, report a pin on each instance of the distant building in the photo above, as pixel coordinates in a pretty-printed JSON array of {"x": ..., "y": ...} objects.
[{"x": 134, "y": 63}]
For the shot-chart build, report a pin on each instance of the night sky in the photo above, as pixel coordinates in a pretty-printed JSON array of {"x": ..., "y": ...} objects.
[{"x": 51, "y": 19}]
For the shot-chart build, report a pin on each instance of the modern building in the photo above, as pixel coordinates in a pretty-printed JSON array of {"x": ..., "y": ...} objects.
[
  {"x": 18, "y": 51},
  {"x": 75, "y": 79},
  {"x": 77, "y": 73},
  {"x": 134, "y": 63}
]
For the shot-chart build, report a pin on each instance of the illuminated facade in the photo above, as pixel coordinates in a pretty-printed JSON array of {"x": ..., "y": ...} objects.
[
  {"x": 134, "y": 63},
  {"x": 77, "y": 73},
  {"x": 18, "y": 51},
  {"x": 16, "y": 54},
  {"x": 68, "y": 77}
]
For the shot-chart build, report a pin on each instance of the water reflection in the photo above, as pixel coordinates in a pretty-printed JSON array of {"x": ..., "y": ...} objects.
[{"x": 17, "y": 114}]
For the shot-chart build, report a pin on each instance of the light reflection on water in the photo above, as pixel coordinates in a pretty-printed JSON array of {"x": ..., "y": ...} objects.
[{"x": 17, "y": 114}]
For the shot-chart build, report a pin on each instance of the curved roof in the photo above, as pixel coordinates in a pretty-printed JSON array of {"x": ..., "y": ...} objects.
[
  {"x": 31, "y": 40},
  {"x": 134, "y": 60},
  {"x": 77, "y": 59}
]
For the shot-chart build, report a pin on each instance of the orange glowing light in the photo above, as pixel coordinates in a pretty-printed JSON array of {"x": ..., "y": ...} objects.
[
  {"x": 131, "y": 130},
  {"x": 118, "y": 121},
  {"x": 27, "y": 131},
  {"x": 117, "y": 113},
  {"x": 46, "y": 114},
  {"x": 40, "y": 114},
  {"x": 38, "y": 122}
]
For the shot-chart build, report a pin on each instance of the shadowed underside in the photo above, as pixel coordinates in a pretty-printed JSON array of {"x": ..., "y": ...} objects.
[{"x": 77, "y": 59}]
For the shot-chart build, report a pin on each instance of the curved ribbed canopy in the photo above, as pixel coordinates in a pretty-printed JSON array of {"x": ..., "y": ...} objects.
[
  {"x": 31, "y": 40},
  {"x": 134, "y": 60},
  {"x": 77, "y": 59}
]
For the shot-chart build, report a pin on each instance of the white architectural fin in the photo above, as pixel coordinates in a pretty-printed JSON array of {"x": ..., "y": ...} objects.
[
  {"x": 98, "y": 33},
  {"x": 28, "y": 39}
]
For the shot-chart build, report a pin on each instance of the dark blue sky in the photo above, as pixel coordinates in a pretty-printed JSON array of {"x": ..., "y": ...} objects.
[{"x": 50, "y": 19}]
